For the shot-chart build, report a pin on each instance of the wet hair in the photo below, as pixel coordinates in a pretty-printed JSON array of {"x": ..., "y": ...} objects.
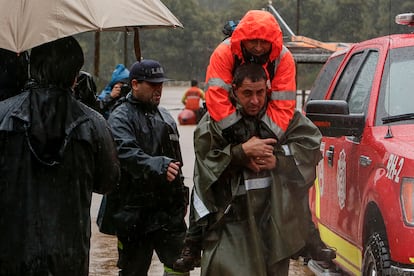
[
  {"x": 13, "y": 72},
  {"x": 194, "y": 82},
  {"x": 251, "y": 71},
  {"x": 56, "y": 63}
]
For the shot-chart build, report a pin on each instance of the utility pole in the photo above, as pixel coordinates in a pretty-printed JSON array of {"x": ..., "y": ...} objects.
[{"x": 297, "y": 16}]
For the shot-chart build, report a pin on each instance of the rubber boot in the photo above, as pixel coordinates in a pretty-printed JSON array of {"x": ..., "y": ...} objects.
[
  {"x": 316, "y": 248},
  {"x": 190, "y": 256}
]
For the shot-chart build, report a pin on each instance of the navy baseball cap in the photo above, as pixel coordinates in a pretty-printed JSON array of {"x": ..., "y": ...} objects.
[{"x": 147, "y": 70}]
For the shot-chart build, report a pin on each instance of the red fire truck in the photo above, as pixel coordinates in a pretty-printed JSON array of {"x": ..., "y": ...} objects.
[{"x": 363, "y": 199}]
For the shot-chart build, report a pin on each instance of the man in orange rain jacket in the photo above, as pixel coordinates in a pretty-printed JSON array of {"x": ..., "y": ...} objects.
[
  {"x": 257, "y": 38},
  {"x": 193, "y": 95}
]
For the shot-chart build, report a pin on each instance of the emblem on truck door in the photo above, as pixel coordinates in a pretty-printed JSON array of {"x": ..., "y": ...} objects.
[{"x": 341, "y": 179}]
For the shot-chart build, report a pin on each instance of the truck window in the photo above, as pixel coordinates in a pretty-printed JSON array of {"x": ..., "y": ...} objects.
[
  {"x": 324, "y": 79},
  {"x": 347, "y": 76},
  {"x": 356, "y": 80},
  {"x": 396, "y": 93},
  {"x": 361, "y": 88}
]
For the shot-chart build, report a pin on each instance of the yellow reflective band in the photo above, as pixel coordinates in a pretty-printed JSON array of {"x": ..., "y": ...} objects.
[
  {"x": 411, "y": 259},
  {"x": 348, "y": 255},
  {"x": 317, "y": 199}
]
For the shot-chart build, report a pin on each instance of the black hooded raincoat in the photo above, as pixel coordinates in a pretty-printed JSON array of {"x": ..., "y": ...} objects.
[{"x": 54, "y": 152}]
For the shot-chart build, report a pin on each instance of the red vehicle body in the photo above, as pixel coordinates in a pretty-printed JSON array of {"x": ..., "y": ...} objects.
[{"x": 363, "y": 199}]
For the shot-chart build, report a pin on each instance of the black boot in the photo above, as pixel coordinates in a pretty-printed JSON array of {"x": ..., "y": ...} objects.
[
  {"x": 190, "y": 256},
  {"x": 322, "y": 253},
  {"x": 316, "y": 249}
]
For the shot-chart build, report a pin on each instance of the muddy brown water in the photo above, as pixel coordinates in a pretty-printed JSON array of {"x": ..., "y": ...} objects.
[{"x": 104, "y": 255}]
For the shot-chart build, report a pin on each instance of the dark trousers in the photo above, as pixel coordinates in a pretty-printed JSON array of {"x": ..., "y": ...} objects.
[{"x": 135, "y": 256}]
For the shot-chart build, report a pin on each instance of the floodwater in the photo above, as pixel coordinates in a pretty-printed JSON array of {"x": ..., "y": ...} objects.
[{"x": 103, "y": 254}]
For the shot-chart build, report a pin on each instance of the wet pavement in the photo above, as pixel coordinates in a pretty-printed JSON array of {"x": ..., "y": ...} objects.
[{"x": 103, "y": 254}]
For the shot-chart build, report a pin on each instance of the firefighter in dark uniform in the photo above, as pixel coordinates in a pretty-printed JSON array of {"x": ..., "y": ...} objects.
[{"x": 152, "y": 192}]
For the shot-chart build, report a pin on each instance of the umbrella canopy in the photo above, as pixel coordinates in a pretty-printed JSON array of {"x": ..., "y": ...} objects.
[{"x": 25, "y": 24}]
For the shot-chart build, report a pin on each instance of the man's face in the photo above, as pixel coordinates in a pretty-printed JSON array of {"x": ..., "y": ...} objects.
[
  {"x": 147, "y": 92},
  {"x": 257, "y": 47},
  {"x": 251, "y": 96}
]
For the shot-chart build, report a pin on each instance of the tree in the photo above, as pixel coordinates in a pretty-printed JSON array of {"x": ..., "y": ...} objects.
[{"x": 185, "y": 52}]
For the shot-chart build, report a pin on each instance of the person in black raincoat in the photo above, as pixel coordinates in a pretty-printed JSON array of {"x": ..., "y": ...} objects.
[
  {"x": 54, "y": 153},
  {"x": 152, "y": 192}
]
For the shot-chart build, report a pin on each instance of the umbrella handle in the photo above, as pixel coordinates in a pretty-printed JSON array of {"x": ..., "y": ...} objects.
[{"x": 137, "y": 46}]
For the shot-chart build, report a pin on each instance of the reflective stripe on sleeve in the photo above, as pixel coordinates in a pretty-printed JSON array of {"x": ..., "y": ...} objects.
[
  {"x": 199, "y": 206},
  {"x": 218, "y": 82},
  {"x": 283, "y": 95}
]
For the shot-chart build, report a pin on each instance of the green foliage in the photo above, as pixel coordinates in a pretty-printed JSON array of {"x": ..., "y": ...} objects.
[{"x": 185, "y": 52}]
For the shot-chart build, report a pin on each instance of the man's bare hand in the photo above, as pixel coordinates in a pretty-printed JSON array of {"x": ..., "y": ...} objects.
[
  {"x": 265, "y": 162},
  {"x": 260, "y": 153},
  {"x": 256, "y": 147},
  {"x": 116, "y": 91},
  {"x": 173, "y": 170}
]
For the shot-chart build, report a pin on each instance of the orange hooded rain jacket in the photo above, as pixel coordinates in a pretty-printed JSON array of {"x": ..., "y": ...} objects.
[{"x": 256, "y": 24}]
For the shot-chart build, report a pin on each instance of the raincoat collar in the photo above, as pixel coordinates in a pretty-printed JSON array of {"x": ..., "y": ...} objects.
[
  {"x": 257, "y": 24},
  {"x": 141, "y": 105},
  {"x": 21, "y": 111},
  {"x": 38, "y": 127}
]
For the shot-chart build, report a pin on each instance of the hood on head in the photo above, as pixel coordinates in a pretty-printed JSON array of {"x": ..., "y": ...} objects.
[
  {"x": 120, "y": 74},
  {"x": 258, "y": 24}
]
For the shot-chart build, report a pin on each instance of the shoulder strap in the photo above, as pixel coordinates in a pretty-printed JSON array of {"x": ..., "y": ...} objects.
[
  {"x": 237, "y": 62},
  {"x": 271, "y": 69}
]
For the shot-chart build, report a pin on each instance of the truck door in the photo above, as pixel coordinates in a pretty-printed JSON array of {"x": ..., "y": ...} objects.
[{"x": 342, "y": 155}]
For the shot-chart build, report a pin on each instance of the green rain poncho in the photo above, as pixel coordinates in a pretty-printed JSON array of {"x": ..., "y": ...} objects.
[{"x": 249, "y": 228}]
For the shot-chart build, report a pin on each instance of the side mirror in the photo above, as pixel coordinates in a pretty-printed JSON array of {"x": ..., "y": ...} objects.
[{"x": 333, "y": 119}]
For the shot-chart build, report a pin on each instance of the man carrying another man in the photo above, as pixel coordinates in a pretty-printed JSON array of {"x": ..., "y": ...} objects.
[
  {"x": 250, "y": 192},
  {"x": 256, "y": 40}
]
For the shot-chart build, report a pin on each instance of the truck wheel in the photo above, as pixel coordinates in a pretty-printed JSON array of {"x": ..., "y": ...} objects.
[{"x": 376, "y": 257}]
